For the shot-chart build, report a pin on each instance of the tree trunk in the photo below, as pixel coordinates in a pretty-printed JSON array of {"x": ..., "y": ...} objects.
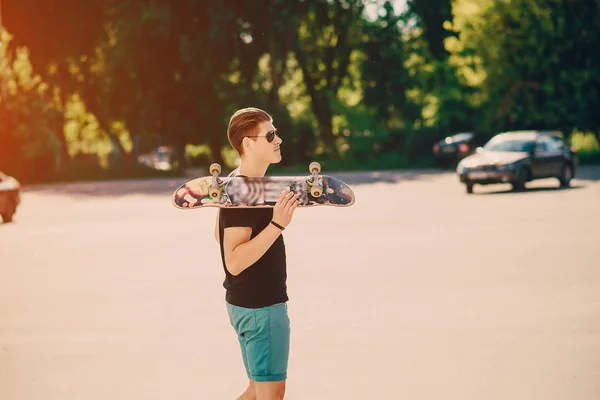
[
  {"x": 274, "y": 101},
  {"x": 179, "y": 155},
  {"x": 319, "y": 105},
  {"x": 215, "y": 148},
  {"x": 325, "y": 119}
]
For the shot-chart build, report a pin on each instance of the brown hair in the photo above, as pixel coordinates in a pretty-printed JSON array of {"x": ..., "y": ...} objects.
[{"x": 243, "y": 123}]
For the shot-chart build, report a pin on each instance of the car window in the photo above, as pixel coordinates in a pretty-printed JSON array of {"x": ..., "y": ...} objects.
[
  {"x": 543, "y": 145},
  {"x": 556, "y": 144},
  {"x": 510, "y": 145}
]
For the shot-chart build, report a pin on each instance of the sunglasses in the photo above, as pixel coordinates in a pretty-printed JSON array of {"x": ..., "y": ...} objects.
[{"x": 270, "y": 136}]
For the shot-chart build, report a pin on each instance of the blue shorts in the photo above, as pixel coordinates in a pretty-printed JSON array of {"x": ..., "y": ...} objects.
[{"x": 264, "y": 336}]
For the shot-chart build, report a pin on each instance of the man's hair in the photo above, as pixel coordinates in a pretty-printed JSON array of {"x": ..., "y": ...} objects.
[{"x": 244, "y": 123}]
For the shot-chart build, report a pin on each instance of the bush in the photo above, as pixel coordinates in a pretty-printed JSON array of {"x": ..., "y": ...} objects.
[
  {"x": 584, "y": 141},
  {"x": 199, "y": 156},
  {"x": 587, "y": 148},
  {"x": 77, "y": 171},
  {"x": 589, "y": 157}
]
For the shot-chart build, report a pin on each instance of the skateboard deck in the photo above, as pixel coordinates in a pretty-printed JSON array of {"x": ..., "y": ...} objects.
[{"x": 241, "y": 191}]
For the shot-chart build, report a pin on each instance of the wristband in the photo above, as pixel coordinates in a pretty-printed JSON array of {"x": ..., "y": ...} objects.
[{"x": 277, "y": 225}]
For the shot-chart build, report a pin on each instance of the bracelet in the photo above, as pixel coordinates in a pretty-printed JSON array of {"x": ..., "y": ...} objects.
[{"x": 277, "y": 225}]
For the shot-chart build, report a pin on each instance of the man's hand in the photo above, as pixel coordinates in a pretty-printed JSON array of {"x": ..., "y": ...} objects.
[{"x": 285, "y": 207}]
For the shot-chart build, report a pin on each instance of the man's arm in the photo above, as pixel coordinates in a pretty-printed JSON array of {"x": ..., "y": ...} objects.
[{"x": 241, "y": 252}]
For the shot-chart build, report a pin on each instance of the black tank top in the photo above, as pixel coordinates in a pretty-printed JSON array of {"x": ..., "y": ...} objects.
[{"x": 264, "y": 282}]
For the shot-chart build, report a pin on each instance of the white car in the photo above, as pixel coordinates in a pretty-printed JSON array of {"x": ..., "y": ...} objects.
[{"x": 10, "y": 196}]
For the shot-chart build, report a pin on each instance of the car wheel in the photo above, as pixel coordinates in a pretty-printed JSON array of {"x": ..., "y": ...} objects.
[
  {"x": 469, "y": 186},
  {"x": 7, "y": 216},
  {"x": 566, "y": 174},
  {"x": 518, "y": 185}
]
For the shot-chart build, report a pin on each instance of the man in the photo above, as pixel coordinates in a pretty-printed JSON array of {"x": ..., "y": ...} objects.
[{"x": 254, "y": 261}]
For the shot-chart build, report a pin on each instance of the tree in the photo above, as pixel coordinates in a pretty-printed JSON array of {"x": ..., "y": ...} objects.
[
  {"x": 326, "y": 40},
  {"x": 431, "y": 15},
  {"x": 61, "y": 38},
  {"x": 30, "y": 115},
  {"x": 385, "y": 78},
  {"x": 540, "y": 71}
]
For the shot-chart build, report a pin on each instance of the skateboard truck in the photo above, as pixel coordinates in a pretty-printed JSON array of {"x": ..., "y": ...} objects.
[
  {"x": 316, "y": 188},
  {"x": 215, "y": 190}
]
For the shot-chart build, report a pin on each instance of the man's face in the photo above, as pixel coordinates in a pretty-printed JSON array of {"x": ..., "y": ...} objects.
[{"x": 260, "y": 147}]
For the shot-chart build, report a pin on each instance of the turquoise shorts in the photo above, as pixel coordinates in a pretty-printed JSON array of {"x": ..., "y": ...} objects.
[{"x": 264, "y": 336}]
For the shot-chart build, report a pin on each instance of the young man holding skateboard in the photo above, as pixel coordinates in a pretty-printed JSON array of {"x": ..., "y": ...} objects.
[{"x": 254, "y": 261}]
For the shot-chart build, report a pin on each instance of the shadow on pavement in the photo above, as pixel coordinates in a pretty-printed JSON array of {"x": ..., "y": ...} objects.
[
  {"x": 588, "y": 173},
  {"x": 532, "y": 190},
  {"x": 160, "y": 186},
  {"x": 392, "y": 176},
  {"x": 166, "y": 186}
]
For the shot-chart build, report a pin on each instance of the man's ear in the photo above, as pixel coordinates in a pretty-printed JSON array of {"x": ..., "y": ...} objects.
[{"x": 246, "y": 144}]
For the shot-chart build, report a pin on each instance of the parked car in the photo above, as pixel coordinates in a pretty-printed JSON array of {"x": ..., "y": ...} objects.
[
  {"x": 160, "y": 158},
  {"x": 450, "y": 150},
  {"x": 519, "y": 157},
  {"x": 10, "y": 196}
]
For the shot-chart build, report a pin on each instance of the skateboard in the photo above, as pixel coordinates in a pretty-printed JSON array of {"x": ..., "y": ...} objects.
[{"x": 240, "y": 191}]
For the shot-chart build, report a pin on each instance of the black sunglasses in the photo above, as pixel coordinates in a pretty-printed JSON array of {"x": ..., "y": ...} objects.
[{"x": 270, "y": 135}]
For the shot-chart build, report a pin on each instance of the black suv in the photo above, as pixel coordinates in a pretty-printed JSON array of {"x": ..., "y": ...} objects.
[
  {"x": 518, "y": 157},
  {"x": 450, "y": 150}
]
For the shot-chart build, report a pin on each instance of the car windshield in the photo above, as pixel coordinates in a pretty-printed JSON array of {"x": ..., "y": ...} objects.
[{"x": 510, "y": 145}]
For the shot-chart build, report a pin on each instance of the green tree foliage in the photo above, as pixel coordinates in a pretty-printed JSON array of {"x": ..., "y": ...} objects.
[
  {"x": 385, "y": 113},
  {"x": 431, "y": 16},
  {"x": 541, "y": 69},
  {"x": 340, "y": 81},
  {"x": 61, "y": 36},
  {"x": 329, "y": 34},
  {"x": 384, "y": 76},
  {"x": 30, "y": 116}
]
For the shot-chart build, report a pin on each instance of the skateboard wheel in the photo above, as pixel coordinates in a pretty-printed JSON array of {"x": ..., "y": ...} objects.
[
  {"x": 214, "y": 193},
  {"x": 314, "y": 165},
  {"x": 215, "y": 167},
  {"x": 316, "y": 191}
]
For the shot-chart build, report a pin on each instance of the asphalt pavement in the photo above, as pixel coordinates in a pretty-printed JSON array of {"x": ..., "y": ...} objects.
[{"x": 418, "y": 291}]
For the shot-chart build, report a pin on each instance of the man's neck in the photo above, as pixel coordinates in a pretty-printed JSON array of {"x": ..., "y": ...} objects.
[{"x": 252, "y": 169}]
